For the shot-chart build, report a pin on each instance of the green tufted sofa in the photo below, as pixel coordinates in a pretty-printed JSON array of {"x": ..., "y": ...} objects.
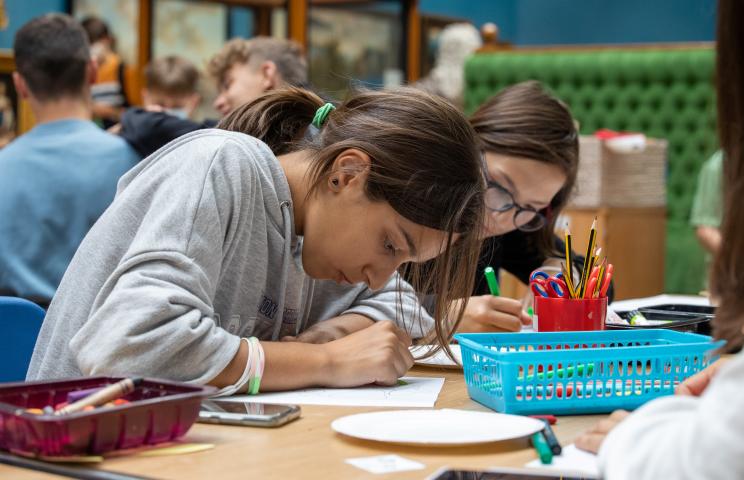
[{"x": 664, "y": 93}]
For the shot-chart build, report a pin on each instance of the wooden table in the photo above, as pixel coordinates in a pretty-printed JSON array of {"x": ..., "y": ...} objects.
[{"x": 308, "y": 448}]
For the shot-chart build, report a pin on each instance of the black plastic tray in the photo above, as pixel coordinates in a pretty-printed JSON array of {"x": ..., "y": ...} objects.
[{"x": 683, "y": 318}]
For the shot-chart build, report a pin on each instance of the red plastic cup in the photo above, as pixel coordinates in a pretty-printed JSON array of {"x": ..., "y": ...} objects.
[{"x": 569, "y": 314}]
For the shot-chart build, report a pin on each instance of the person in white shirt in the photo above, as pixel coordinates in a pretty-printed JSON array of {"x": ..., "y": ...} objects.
[{"x": 699, "y": 432}]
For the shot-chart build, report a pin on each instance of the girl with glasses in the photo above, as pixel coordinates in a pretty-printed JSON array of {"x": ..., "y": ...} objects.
[{"x": 530, "y": 158}]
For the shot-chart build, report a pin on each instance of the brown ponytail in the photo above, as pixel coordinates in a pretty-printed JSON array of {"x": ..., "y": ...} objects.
[{"x": 278, "y": 118}]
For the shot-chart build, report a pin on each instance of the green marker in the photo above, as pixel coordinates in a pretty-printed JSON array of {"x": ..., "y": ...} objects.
[
  {"x": 543, "y": 449},
  {"x": 568, "y": 372},
  {"x": 493, "y": 285}
]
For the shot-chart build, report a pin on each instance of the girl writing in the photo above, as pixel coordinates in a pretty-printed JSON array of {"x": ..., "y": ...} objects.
[{"x": 221, "y": 243}]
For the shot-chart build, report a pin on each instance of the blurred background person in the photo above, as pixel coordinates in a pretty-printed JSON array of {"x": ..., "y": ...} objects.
[
  {"x": 246, "y": 69},
  {"x": 243, "y": 70},
  {"x": 706, "y": 207},
  {"x": 57, "y": 179},
  {"x": 171, "y": 85},
  {"x": 111, "y": 91}
]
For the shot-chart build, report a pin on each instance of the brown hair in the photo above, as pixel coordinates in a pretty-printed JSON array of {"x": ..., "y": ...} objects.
[
  {"x": 52, "y": 55},
  {"x": 287, "y": 55},
  {"x": 95, "y": 28},
  {"x": 425, "y": 164},
  {"x": 727, "y": 276},
  {"x": 524, "y": 120},
  {"x": 172, "y": 75}
]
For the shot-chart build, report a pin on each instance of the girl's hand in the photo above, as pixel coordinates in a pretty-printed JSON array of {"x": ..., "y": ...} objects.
[
  {"x": 592, "y": 439},
  {"x": 487, "y": 313},
  {"x": 378, "y": 354},
  {"x": 696, "y": 384}
]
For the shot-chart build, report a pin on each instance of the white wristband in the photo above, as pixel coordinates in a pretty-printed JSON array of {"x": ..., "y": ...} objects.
[{"x": 248, "y": 372}]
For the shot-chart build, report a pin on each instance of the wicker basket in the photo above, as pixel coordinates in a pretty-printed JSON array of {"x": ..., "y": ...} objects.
[{"x": 610, "y": 179}]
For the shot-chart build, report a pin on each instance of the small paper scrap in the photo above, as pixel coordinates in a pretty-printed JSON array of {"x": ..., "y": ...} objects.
[{"x": 384, "y": 464}]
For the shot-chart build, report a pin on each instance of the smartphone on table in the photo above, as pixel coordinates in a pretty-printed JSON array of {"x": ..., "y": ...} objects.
[{"x": 247, "y": 414}]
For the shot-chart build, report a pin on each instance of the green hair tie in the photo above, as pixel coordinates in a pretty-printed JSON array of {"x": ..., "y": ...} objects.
[{"x": 321, "y": 114}]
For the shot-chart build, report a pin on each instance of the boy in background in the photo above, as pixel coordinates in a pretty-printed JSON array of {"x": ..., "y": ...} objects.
[
  {"x": 246, "y": 69},
  {"x": 171, "y": 85},
  {"x": 243, "y": 71},
  {"x": 57, "y": 179}
]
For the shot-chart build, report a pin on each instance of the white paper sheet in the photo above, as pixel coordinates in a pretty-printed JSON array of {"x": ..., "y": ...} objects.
[
  {"x": 571, "y": 461},
  {"x": 418, "y": 392}
]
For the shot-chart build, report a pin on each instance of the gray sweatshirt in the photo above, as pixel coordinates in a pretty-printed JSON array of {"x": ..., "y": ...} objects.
[{"x": 197, "y": 250}]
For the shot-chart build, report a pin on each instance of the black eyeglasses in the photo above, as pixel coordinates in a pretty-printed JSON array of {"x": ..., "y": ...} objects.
[{"x": 499, "y": 199}]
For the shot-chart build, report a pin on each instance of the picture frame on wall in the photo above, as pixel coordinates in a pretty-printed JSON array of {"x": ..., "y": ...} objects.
[
  {"x": 351, "y": 45},
  {"x": 10, "y": 110},
  {"x": 194, "y": 30},
  {"x": 121, "y": 16}
]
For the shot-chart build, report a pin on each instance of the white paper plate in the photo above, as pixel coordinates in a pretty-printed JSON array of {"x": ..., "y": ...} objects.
[
  {"x": 439, "y": 359},
  {"x": 446, "y": 427}
]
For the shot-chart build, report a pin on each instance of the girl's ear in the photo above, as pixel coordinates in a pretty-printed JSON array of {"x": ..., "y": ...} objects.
[{"x": 350, "y": 168}]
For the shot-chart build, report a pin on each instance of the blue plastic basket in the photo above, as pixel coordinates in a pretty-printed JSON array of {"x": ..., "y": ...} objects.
[{"x": 579, "y": 372}]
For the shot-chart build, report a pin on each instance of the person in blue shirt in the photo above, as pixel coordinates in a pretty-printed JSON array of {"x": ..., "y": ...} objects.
[{"x": 57, "y": 179}]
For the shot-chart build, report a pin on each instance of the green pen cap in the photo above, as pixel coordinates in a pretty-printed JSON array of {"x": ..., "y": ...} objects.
[{"x": 493, "y": 284}]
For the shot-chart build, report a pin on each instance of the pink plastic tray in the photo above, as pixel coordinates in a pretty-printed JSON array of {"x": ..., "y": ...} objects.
[{"x": 160, "y": 411}]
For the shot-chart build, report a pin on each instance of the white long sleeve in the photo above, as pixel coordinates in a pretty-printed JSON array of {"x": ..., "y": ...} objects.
[{"x": 681, "y": 437}]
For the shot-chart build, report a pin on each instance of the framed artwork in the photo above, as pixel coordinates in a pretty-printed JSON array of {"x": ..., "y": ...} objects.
[
  {"x": 189, "y": 29},
  {"x": 348, "y": 42},
  {"x": 10, "y": 126},
  {"x": 121, "y": 16}
]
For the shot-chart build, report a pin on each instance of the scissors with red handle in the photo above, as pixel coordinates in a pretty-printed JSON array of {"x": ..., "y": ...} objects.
[{"x": 553, "y": 287}]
